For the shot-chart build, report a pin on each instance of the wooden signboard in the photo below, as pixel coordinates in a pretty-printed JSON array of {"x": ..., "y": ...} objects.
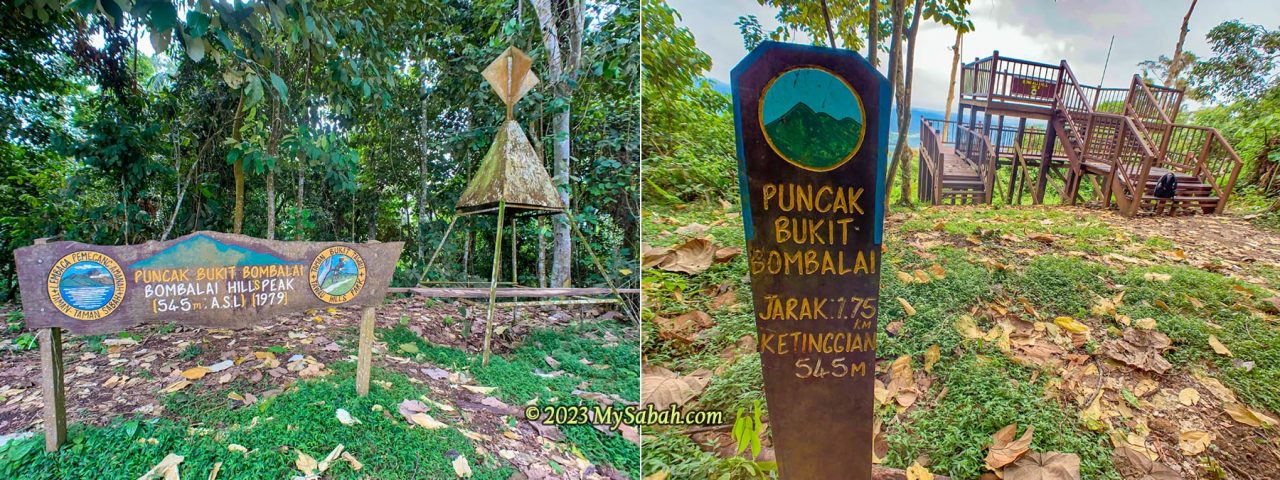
[
  {"x": 205, "y": 279},
  {"x": 812, "y": 130},
  {"x": 1032, "y": 87}
]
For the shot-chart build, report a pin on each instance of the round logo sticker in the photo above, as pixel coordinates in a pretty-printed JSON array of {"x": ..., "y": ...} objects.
[
  {"x": 86, "y": 285},
  {"x": 812, "y": 118},
  {"x": 337, "y": 275}
]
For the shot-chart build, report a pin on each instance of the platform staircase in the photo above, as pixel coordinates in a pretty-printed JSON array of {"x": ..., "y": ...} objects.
[{"x": 1120, "y": 140}]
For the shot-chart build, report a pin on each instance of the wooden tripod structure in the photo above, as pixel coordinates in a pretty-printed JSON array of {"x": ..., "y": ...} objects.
[{"x": 512, "y": 180}]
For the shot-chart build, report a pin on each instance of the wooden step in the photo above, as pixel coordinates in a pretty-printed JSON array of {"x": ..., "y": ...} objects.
[{"x": 1182, "y": 199}]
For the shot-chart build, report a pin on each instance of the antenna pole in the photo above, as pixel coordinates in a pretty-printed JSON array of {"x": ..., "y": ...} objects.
[{"x": 1104, "y": 65}]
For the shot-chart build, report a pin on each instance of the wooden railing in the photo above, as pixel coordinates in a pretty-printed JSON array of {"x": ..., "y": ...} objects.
[
  {"x": 931, "y": 158},
  {"x": 1010, "y": 80},
  {"x": 975, "y": 149},
  {"x": 1131, "y": 130}
]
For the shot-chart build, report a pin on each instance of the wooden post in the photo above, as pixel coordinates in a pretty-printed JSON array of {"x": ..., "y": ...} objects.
[
  {"x": 493, "y": 283},
  {"x": 51, "y": 387},
  {"x": 1017, "y": 146},
  {"x": 1046, "y": 159},
  {"x": 364, "y": 357}
]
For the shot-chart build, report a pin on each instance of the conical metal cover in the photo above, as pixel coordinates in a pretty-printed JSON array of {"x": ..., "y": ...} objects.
[{"x": 510, "y": 172}]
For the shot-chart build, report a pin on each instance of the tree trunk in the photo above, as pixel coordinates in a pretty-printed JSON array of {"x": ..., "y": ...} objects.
[
  {"x": 271, "y": 205},
  {"x": 826, "y": 17},
  {"x": 951, "y": 88},
  {"x": 1175, "y": 63},
  {"x": 423, "y": 187},
  {"x": 467, "y": 246},
  {"x": 562, "y": 63},
  {"x": 542, "y": 253},
  {"x": 898, "y": 14},
  {"x": 302, "y": 182},
  {"x": 873, "y": 33},
  {"x": 904, "y": 107},
  {"x": 238, "y": 213}
]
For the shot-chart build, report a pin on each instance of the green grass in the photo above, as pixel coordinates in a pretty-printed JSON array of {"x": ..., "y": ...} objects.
[
  {"x": 200, "y": 422},
  {"x": 986, "y": 390},
  {"x": 984, "y": 394},
  {"x": 302, "y": 418},
  {"x": 516, "y": 383}
]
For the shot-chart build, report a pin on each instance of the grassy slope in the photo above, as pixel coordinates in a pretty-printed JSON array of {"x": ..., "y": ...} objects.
[
  {"x": 199, "y": 426},
  {"x": 985, "y": 389}
]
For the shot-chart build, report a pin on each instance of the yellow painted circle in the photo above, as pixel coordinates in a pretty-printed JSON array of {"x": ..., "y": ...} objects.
[
  {"x": 337, "y": 275},
  {"x": 834, "y": 86},
  {"x": 86, "y": 285}
]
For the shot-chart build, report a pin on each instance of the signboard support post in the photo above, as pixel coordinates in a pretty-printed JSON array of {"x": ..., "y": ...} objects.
[
  {"x": 55, "y": 405},
  {"x": 812, "y": 131},
  {"x": 51, "y": 370},
  {"x": 364, "y": 357}
]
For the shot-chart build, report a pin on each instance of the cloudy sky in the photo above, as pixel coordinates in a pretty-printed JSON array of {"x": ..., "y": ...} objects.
[{"x": 1042, "y": 30}]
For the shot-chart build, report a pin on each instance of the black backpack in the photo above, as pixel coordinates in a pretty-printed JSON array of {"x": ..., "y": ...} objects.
[{"x": 1167, "y": 186}]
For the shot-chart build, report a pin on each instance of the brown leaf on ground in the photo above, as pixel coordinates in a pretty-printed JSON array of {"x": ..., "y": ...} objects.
[
  {"x": 906, "y": 307},
  {"x": 931, "y": 357},
  {"x": 1140, "y": 349},
  {"x": 727, "y": 254},
  {"x": 684, "y": 327},
  {"x": 728, "y": 298},
  {"x": 1135, "y": 465},
  {"x": 167, "y": 469},
  {"x": 1193, "y": 442},
  {"x": 691, "y": 257},
  {"x": 1218, "y": 347},
  {"x": 1248, "y": 416},
  {"x": 664, "y": 388},
  {"x": 1044, "y": 466},
  {"x": 1004, "y": 449}
]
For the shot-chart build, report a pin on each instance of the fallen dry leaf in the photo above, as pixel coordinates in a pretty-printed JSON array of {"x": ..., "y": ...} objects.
[
  {"x": 1193, "y": 442},
  {"x": 345, "y": 417},
  {"x": 175, "y": 386},
  {"x": 1004, "y": 449},
  {"x": 931, "y": 357},
  {"x": 1218, "y": 347},
  {"x": 306, "y": 463},
  {"x": 355, "y": 464},
  {"x": 664, "y": 388},
  {"x": 1132, "y": 464},
  {"x": 461, "y": 467},
  {"x": 479, "y": 389},
  {"x": 1189, "y": 396},
  {"x": 167, "y": 469},
  {"x": 1248, "y": 416},
  {"x": 1140, "y": 349},
  {"x": 1044, "y": 466},
  {"x": 918, "y": 472},
  {"x": 195, "y": 373},
  {"x": 911, "y": 311},
  {"x": 1157, "y": 277},
  {"x": 426, "y": 421}
]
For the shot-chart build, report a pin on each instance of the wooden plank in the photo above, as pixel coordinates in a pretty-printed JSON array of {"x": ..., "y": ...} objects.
[
  {"x": 443, "y": 292},
  {"x": 364, "y": 357},
  {"x": 51, "y": 384},
  {"x": 55, "y": 405}
]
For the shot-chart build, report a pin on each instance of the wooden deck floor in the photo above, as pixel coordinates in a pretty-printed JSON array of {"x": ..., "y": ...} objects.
[{"x": 955, "y": 167}]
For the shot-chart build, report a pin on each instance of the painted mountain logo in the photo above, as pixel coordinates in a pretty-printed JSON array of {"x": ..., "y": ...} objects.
[
  {"x": 812, "y": 119},
  {"x": 205, "y": 251}
]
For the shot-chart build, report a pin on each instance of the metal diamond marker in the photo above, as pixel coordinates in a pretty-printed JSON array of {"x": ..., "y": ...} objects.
[{"x": 510, "y": 76}]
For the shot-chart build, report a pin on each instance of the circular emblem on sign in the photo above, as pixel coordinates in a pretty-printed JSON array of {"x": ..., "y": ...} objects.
[
  {"x": 812, "y": 118},
  {"x": 86, "y": 285},
  {"x": 337, "y": 274}
]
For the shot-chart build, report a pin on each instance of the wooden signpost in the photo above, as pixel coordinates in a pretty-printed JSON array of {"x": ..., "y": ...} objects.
[
  {"x": 205, "y": 279},
  {"x": 812, "y": 131}
]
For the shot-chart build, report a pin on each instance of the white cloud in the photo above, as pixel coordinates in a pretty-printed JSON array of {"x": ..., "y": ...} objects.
[{"x": 1078, "y": 31}]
